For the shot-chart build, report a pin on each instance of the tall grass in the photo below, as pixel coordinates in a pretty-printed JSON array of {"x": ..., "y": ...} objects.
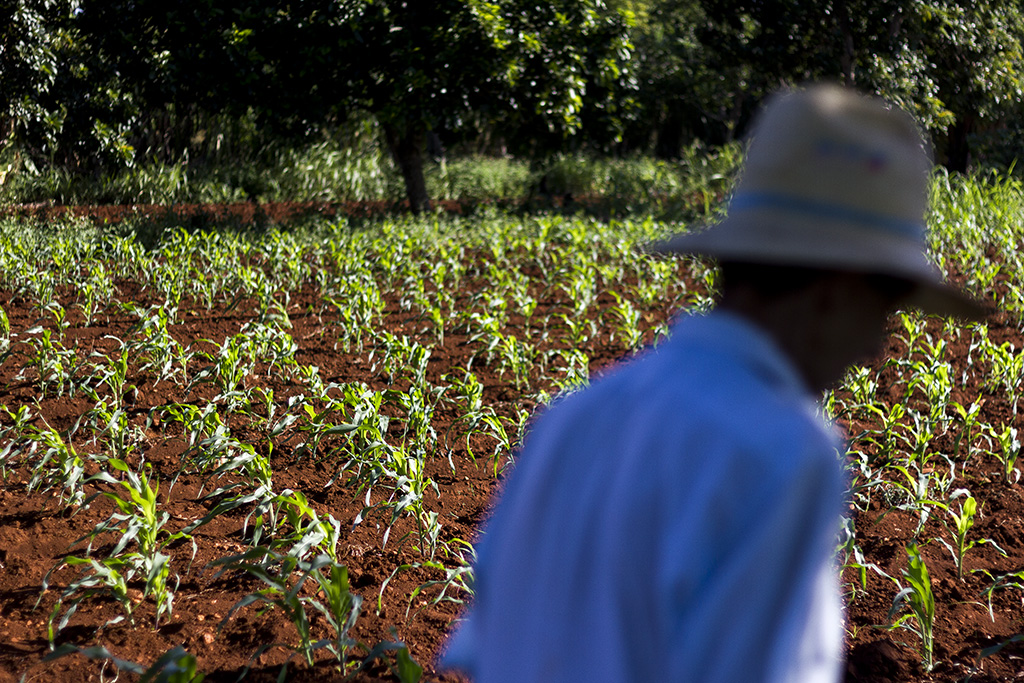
[{"x": 347, "y": 169}]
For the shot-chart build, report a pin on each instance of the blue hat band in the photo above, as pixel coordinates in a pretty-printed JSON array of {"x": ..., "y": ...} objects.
[{"x": 771, "y": 200}]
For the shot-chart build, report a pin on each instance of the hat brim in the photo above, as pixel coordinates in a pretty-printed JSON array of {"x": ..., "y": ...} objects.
[
  {"x": 940, "y": 299},
  {"x": 784, "y": 242}
]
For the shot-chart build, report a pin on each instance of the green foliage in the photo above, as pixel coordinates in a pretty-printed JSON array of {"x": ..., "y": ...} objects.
[{"x": 920, "y": 600}]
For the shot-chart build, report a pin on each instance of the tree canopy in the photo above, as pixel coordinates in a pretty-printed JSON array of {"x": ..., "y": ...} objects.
[{"x": 88, "y": 84}]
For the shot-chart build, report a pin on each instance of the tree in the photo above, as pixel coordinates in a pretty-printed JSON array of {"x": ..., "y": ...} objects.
[
  {"x": 958, "y": 65},
  {"x": 28, "y": 63},
  {"x": 415, "y": 66},
  {"x": 59, "y": 100},
  {"x": 954, "y": 63}
]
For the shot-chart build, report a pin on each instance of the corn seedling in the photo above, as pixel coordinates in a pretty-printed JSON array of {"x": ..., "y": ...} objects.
[
  {"x": 114, "y": 376},
  {"x": 139, "y": 520},
  {"x": 465, "y": 393},
  {"x": 228, "y": 368},
  {"x": 968, "y": 420},
  {"x": 308, "y": 531},
  {"x": 1007, "y": 450},
  {"x": 1001, "y": 582},
  {"x": 154, "y": 345},
  {"x": 104, "y": 578},
  {"x": 59, "y": 466},
  {"x": 54, "y": 364},
  {"x": 457, "y": 580},
  {"x": 122, "y": 438},
  {"x": 5, "y": 331},
  {"x": 919, "y": 600},
  {"x": 284, "y": 577},
  {"x": 316, "y": 426},
  {"x": 962, "y": 524},
  {"x": 507, "y": 433},
  {"x": 576, "y": 373},
  {"x": 1007, "y": 373},
  {"x": 627, "y": 321}
]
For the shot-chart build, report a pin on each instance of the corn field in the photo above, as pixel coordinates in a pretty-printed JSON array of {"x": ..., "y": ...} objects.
[{"x": 260, "y": 453}]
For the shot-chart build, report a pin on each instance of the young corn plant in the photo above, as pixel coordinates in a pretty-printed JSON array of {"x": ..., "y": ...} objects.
[
  {"x": 935, "y": 380},
  {"x": 14, "y": 438},
  {"x": 5, "y": 333},
  {"x": 457, "y": 579},
  {"x": 1007, "y": 373},
  {"x": 887, "y": 438},
  {"x": 228, "y": 369},
  {"x": 519, "y": 357},
  {"x": 507, "y": 433},
  {"x": 627, "y": 322},
  {"x": 139, "y": 520},
  {"x": 919, "y": 600},
  {"x": 917, "y": 490},
  {"x": 1002, "y": 582},
  {"x": 317, "y": 426},
  {"x": 963, "y": 522},
  {"x": 576, "y": 373},
  {"x": 484, "y": 329},
  {"x": 54, "y": 363},
  {"x": 308, "y": 532},
  {"x": 121, "y": 438},
  {"x": 153, "y": 344},
  {"x": 284, "y": 577},
  {"x": 97, "y": 290},
  {"x": 197, "y": 424},
  {"x": 465, "y": 393},
  {"x": 1007, "y": 451},
  {"x": 60, "y": 318},
  {"x": 580, "y": 330},
  {"x": 114, "y": 376},
  {"x": 419, "y": 405},
  {"x": 104, "y": 578},
  {"x": 60, "y": 467},
  {"x": 405, "y": 474},
  {"x": 272, "y": 345},
  {"x": 969, "y": 420}
]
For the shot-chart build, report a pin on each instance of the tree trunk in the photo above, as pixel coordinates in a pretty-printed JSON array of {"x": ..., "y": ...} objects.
[
  {"x": 958, "y": 152},
  {"x": 847, "y": 54},
  {"x": 668, "y": 144},
  {"x": 406, "y": 147}
]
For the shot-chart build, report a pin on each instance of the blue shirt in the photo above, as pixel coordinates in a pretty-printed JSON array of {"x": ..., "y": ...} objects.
[{"x": 675, "y": 521}]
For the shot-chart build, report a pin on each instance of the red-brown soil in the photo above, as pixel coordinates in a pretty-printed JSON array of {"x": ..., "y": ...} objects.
[{"x": 36, "y": 531}]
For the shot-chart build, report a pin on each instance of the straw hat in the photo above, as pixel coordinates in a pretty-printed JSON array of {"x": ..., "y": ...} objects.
[{"x": 833, "y": 179}]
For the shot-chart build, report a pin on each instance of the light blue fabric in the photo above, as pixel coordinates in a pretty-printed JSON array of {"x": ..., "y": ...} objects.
[{"x": 672, "y": 522}]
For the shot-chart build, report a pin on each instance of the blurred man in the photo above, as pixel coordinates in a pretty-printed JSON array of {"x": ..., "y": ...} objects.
[{"x": 676, "y": 520}]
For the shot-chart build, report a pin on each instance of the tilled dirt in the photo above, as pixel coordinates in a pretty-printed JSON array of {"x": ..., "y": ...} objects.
[{"x": 36, "y": 531}]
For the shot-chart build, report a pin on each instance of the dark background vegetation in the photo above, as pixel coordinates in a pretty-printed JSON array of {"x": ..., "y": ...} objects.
[{"x": 96, "y": 90}]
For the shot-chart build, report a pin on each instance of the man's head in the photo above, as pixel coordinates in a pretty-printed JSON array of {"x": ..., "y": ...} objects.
[
  {"x": 824, "y": 319},
  {"x": 833, "y": 180},
  {"x": 825, "y": 233}
]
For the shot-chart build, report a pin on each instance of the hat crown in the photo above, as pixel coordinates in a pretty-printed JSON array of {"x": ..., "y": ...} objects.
[{"x": 833, "y": 150}]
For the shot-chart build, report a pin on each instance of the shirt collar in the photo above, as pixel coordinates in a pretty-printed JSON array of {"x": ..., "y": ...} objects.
[{"x": 740, "y": 338}]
